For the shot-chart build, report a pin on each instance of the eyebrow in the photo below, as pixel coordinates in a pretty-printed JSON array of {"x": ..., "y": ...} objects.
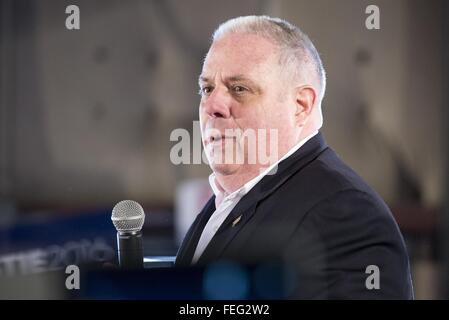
[
  {"x": 238, "y": 77},
  {"x": 203, "y": 79},
  {"x": 235, "y": 78}
]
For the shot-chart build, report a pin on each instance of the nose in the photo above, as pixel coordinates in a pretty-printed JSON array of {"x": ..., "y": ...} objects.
[{"x": 218, "y": 103}]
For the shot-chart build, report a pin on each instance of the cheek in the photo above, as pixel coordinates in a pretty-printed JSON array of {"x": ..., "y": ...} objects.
[
  {"x": 276, "y": 116},
  {"x": 251, "y": 121},
  {"x": 252, "y": 115},
  {"x": 201, "y": 123},
  {"x": 202, "y": 116}
]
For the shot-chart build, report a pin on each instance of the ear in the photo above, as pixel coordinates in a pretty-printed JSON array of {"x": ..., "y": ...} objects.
[{"x": 305, "y": 97}]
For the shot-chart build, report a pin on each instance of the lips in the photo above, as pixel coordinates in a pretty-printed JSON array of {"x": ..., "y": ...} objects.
[{"x": 218, "y": 138}]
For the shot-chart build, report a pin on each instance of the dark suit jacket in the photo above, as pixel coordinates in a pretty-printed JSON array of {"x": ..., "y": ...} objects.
[{"x": 319, "y": 219}]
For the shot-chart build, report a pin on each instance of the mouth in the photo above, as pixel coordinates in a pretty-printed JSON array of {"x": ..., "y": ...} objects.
[{"x": 217, "y": 139}]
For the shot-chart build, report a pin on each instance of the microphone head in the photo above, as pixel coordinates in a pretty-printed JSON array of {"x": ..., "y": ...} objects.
[{"x": 128, "y": 216}]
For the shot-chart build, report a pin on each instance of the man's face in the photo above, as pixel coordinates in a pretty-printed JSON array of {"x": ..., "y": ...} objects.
[{"x": 244, "y": 95}]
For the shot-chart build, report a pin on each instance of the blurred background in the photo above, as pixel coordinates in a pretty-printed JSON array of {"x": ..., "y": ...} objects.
[{"x": 86, "y": 117}]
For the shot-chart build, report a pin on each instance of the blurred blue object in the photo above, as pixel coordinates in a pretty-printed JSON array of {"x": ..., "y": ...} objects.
[{"x": 53, "y": 243}]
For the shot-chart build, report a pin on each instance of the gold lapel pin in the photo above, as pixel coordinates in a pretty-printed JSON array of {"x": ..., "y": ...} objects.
[{"x": 237, "y": 220}]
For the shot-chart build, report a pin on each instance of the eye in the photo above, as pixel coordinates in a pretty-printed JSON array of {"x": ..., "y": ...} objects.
[
  {"x": 205, "y": 90},
  {"x": 239, "y": 89}
]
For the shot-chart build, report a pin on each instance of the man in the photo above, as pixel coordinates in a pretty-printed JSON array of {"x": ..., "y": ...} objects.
[{"x": 305, "y": 208}]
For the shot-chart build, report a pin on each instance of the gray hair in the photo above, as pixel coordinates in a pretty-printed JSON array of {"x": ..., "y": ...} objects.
[{"x": 296, "y": 49}]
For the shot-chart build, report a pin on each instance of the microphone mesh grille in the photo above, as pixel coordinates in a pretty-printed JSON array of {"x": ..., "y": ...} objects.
[{"x": 128, "y": 216}]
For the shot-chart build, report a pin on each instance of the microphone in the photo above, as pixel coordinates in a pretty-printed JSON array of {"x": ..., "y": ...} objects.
[{"x": 128, "y": 218}]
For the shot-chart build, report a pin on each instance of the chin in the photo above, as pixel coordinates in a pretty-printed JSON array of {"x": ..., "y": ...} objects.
[
  {"x": 224, "y": 169},
  {"x": 220, "y": 164}
]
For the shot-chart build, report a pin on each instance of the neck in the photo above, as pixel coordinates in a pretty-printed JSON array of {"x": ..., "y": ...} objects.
[{"x": 229, "y": 183}]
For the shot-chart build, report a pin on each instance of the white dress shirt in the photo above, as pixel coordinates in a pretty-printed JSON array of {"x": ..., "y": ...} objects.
[{"x": 224, "y": 207}]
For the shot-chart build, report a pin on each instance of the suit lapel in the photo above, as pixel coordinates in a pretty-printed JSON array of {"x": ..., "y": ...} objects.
[
  {"x": 188, "y": 246},
  {"x": 235, "y": 221},
  {"x": 246, "y": 208}
]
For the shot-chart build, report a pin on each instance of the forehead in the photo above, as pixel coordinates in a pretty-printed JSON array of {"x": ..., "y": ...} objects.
[{"x": 240, "y": 54}]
